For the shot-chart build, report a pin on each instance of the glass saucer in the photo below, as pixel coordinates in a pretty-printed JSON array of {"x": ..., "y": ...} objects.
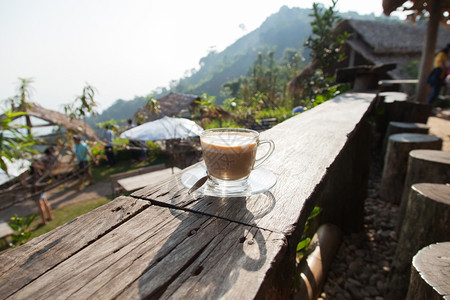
[{"x": 259, "y": 181}]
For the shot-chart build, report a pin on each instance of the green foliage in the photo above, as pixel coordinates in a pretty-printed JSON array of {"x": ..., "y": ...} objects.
[
  {"x": 151, "y": 106},
  {"x": 109, "y": 124},
  {"x": 83, "y": 104},
  {"x": 206, "y": 111},
  {"x": 280, "y": 114},
  {"x": 264, "y": 93},
  {"x": 13, "y": 142},
  {"x": 303, "y": 245},
  {"x": 21, "y": 100},
  {"x": 326, "y": 48},
  {"x": 20, "y": 226},
  {"x": 412, "y": 69},
  {"x": 225, "y": 123}
]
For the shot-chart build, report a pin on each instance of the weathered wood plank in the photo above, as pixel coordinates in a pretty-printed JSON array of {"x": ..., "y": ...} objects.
[
  {"x": 306, "y": 147},
  {"x": 22, "y": 265},
  {"x": 232, "y": 262},
  {"x": 160, "y": 252}
]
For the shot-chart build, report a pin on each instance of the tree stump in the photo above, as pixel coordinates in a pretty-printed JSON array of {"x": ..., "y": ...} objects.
[
  {"x": 395, "y": 108},
  {"x": 396, "y": 161},
  {"x": 403, "y": 127},
  {"x": 430, "y": 166},
  {"x": 430, "y": 273},
  {"x": 408, "y": 111},
  {"x": 427, "y": 221}
]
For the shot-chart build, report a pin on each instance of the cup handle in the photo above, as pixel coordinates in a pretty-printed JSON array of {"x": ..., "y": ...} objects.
[{"x": 260, "y": 160}]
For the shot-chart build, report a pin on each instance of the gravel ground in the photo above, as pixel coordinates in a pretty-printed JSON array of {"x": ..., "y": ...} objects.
[{"x": 361, "y": 267}]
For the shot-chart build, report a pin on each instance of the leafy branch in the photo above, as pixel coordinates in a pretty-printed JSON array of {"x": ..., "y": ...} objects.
[
  {"x": 20, "y": 226},
  {"x": 13, "y": 142}
]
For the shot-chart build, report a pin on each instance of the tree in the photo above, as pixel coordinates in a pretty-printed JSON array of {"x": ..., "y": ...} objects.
[
  {"x": 13, "y": 143},
  {"x": 82, "y": 105},
  {"x": 326, "y": 52},
  {"x": 326, "y": 46},
  {"x": 207, "y": 109},
  {"x": 21, "y": 102},
  {"x": 151, "y": 107}
]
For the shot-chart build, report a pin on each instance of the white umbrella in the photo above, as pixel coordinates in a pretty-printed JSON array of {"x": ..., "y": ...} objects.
[{"x": 163, "y": 129}]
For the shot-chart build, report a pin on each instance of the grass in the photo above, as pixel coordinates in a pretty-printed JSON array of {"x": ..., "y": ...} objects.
[
  {"x": 62, "y": 216},
  {"x": 103, "y": 171},
  {"x": 66, "y": 214}
]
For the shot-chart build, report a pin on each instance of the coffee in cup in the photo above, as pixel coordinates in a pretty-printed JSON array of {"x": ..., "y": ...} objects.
[{"x": 230, "y": 155}]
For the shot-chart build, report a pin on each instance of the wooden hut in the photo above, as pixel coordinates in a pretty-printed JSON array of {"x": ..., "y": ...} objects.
[
  {"x": 171, "y": 105},
  {"x": 381, "y": 43},
  {"x": 179, "y": 105},
  {"x": 437, "y": 11}
]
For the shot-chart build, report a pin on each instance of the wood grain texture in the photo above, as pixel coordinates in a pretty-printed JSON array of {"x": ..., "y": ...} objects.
[
  {"x": 20, "y": 266},
  {"x": 160, "y": 252},
  {"x": 430, "y": 273}
]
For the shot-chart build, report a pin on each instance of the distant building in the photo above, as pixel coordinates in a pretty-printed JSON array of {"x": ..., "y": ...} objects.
[
  {"x": 172, "y": 105},
  {"x": 381, "y": 43}
]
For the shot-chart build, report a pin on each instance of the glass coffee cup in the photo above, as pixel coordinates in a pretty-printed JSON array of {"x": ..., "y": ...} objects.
[{"x": 230, "y": 156}]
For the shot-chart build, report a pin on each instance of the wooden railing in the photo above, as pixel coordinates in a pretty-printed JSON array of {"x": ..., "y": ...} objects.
[
  {"x": 160, "y": 242},
  {"x": 116, "y": 177}
]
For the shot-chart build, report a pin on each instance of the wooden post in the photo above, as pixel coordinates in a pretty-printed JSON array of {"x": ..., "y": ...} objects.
[
  {"x": 430, "y": 273},
  {"x": 404, "y": 127},
  {"x": 430, "y": 166},
  {"x": 386, "y": 103},
  {"x": 397, "y": 109},
  {"x": 313, "y": 270},
  {"x": 427, "y": 221},
  {"x": 396, "y": 161},
  {"x": 408, "y": 111},
  {"x": 429, "y": 47}
]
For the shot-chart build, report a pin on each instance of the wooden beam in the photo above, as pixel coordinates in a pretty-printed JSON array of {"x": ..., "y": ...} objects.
[{"x": 429, "y": 47}]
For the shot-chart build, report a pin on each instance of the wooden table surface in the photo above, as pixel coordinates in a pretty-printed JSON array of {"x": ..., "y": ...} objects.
[
  {"x": 161, "y": 242},
  {"x": 139, "y": 181}
]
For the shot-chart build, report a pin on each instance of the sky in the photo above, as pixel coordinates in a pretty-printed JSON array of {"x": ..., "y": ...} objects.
[{"x": 123, "y": 48}]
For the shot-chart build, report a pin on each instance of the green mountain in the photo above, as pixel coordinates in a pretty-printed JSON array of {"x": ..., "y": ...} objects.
[{"x": 287, "y": 29}]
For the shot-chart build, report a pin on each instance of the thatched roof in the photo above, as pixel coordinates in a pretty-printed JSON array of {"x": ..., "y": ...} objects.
[
  {"x": 171, "y": 105},
  {"x": 57, "y": 118},
  {"x": 385, "y": 43},
  {"x": 378, "y": 43}
]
